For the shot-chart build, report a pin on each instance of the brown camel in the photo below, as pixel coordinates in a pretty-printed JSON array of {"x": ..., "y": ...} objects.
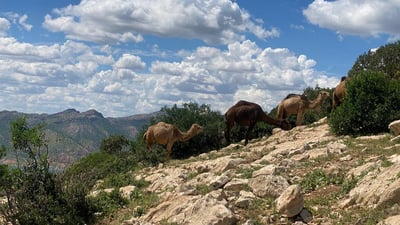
[
  {"x": 248, "y": 114},
  {"x": 295, "y": 104},
  {"x": 167, "y": 134},
  {"x": 339, "y": 93}
]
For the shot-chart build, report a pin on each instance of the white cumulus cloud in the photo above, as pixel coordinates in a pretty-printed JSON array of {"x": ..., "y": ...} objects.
[
  {"x": 363, "y": 18},
  {"x": 218, "y": 21}
]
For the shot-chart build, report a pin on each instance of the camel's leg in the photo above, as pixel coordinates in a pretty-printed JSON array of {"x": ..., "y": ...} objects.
[
  {"x": 299, "y": 118},
  {"x": 227, "y": 132},
  {"x": 251, "y": 126},
  {"x": 334, "y": 101},
  {"x": 149, "y": 141},
  {"x": 169, "y": 149}
]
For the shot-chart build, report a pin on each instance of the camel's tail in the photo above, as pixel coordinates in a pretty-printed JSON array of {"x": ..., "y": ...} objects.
[
  {"x": 144, "y": 135},
  {"x": 280, "y": 114}
]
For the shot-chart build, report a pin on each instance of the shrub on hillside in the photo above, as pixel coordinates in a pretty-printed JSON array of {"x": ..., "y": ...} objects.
[
  {"x": 371, "y": 103},
  {"x": 34, "y": 194}
]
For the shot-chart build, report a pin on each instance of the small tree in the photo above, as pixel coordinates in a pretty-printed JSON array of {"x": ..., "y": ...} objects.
[
  {"x": 370, "y": 104},
  {"x": 385, "y": 59},
  {"x": 114, "y": 144},
  {"x": 34, "y": 194}
]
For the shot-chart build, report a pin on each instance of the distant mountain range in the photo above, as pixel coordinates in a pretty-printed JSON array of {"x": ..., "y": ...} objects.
[{"x": 73, "y": 134}]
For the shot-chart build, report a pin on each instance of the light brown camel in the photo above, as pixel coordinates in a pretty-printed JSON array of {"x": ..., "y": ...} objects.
[
  {"x": 167, "y": 134},
  {"x": 248, "y": 114},
  {"x": 295, "y": 104},
  {"x": 339, "y": 93}
]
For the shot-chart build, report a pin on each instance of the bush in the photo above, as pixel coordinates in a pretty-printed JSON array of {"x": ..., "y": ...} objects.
[
  {"x": 114, "y": 144},
  {"x": 35, "y": 195},
  {"x": 371, "y": 103}
]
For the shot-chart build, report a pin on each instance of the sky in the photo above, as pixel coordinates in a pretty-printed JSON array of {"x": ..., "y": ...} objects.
[{"x": 127, "y": 57}]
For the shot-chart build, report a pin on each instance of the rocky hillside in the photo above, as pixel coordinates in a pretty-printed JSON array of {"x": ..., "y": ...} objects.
[
  {"x": 303, "y": 176},
  {"x": 73, "y": 134}
]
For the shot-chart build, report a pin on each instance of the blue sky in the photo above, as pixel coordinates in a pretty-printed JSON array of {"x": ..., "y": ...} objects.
[{"x": 125, "y": 57}]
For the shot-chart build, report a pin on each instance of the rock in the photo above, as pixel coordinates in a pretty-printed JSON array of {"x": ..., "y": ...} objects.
[
  {"x": 306, "y": 215},
  {"x": 236, "y": 185},
  {"x": 395, "y": 127},
  {"x": 317, "y": 153},
  {"x": 377, "y": 188},
  {"x": 97, "y": 192},
  {"x": 336, "y": 147},
  {"x": 267, "y": 170},
  {"x": 245, "y": 199},
  {"x": 166, "y": 178},
  {"x": 127, "y": 191},
  {"x": 268, "y": 185},
  {"x": 393, "y": 220},
  {"x": 291, "y": 201},
  {"x": 193, "y": 210},
  {"x": 219, "y": 181}
]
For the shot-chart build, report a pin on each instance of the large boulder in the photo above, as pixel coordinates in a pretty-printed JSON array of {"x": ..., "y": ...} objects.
[
  {"x": 291, "y": 201},
  {"x": 268, "y": 185},
  {"x": 191, "y": 210},
  {"x": 393, "y": 220},
  {"x": 377, "y": 188}
]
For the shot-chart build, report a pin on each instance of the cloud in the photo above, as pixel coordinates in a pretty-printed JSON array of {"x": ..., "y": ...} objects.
[
  {"x": 52, "y": 78},
  {"x": 118, "y": 21},
  {"x": 243, "y": 71},
  {"x": 16, "y": 18},
  {"x": 362, "y": 18},
  {"x": 4, "y": 26}
]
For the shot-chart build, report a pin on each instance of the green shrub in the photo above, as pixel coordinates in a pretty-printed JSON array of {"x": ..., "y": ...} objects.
[
  {"x": 370, "y": 104},
  {"x": 35, "y": 195},
  {"x": 107, "y": 203}
]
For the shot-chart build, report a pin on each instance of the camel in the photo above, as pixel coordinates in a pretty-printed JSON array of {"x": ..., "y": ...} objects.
[
  {"x": 246, "y": 113},
  {"x": 167, "y": 134},
  {"x": 339, "y": 93},
  {"x": 295, "y": 104}
]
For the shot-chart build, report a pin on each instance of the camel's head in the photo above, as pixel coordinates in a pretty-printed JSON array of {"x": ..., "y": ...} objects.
[
  {"x": 324, "y": 94},
  {"x": 196, "y": 129},
  {"x": 285, "y": 125}
]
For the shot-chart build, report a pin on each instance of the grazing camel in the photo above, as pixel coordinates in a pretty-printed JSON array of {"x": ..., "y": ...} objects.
[
  {"x": 248, "y": 114},
  {"x": 339, "y": 93},
  {"x": 297, "y": 104},
  {"x": 167, "y": 134}
]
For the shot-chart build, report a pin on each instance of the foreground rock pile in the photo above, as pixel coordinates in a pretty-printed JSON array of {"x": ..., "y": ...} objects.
[{"x": 221, "y": 187}]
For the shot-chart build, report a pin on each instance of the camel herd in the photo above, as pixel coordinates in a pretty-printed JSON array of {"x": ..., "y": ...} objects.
[{"x": 246, "y": 113}]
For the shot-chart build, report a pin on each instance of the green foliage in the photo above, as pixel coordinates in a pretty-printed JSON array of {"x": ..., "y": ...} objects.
[
  {"x": 385, "y": 59},
  {"x": 317, "y": 179},
  {"x": 106, "y": 203},
  {"x": 114, "y": 144},
  {"x": 34, "y": 194},
  {"x": 371, "y": 103},
  {"x": 101, "y": 165},
  {"x": 183, "y": 118}
]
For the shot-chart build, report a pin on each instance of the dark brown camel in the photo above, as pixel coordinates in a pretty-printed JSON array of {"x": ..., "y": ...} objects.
[
  {"x": 339, "y": 93},
  {"x": 248, "y": 114}
]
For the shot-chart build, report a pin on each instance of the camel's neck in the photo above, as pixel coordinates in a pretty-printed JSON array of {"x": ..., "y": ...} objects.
[
  {"x": 185, "y": 136},
  {"x": 316, "y": 102},
  {"x": 270, "y": 120}
]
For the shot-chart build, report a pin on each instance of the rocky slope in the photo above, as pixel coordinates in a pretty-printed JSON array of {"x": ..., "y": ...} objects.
[{"x": 303, "y": 176}]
